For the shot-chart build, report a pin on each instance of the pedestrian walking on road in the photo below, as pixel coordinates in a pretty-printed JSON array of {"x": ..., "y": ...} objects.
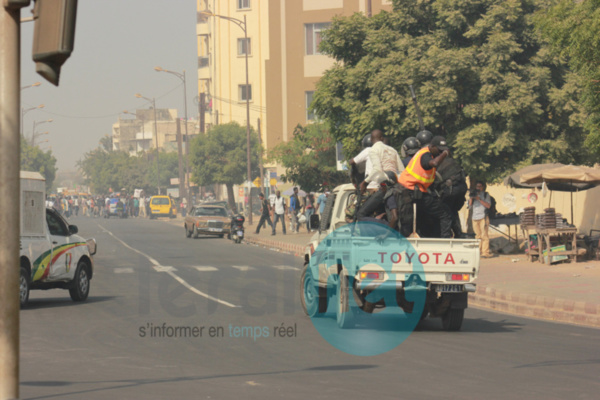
[
  {"x": 279, "y": 212},
  {"x": 265, "y": 213}
]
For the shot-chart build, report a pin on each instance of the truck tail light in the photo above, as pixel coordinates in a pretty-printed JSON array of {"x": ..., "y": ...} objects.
[
  {"x": 458, "y": 277},
  {"x": 312, "y": 249},
  {"x": 370, "y": 275}
]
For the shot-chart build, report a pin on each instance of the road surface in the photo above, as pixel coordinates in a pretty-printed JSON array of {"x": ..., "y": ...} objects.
[{"x": 176, "y": 318}]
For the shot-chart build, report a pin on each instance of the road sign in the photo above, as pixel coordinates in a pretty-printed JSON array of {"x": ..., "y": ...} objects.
[
  {"x": 273, "y": 182},
  {"x": 257, "y": 182}
]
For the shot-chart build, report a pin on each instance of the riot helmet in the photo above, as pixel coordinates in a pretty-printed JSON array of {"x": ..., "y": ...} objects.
[
  {"x": 366, "y": 141},
  {"x": 410, "y": 147},
  {"x": 424, "y": 137}
]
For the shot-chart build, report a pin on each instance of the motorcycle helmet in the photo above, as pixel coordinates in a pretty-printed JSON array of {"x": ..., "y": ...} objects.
[
  {"x": 424, "y": 137},
  {"x": 410, "y": 147},
  {"x": 366, "y": 141}
]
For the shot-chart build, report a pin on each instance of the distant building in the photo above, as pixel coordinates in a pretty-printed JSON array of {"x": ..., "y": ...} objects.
[
  {"x": 135, "y": 135},
  {"x": 284, "y": 62}
]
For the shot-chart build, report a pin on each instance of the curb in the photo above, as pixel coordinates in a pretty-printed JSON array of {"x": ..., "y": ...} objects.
[
  {"x": 520, "y": 304},
  {"x": 290, "y": 248},
  {"x": 538, "y": 307}
]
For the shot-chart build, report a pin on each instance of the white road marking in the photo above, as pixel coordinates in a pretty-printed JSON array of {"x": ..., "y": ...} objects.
[
  {"x": 170, "y": 271},
  {"x": 163, "y": 268},
  {"x": 242, "y": 267},
  {"x": 205, "y": 268},
  {"x": 123, "y": 270},
  {"x": 285, "y": 267}
]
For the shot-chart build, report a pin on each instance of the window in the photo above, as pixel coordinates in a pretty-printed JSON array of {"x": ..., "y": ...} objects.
[
  {"x": 245, "y": 92},
  {"x": 244, "y": 46},
  {"x": 56, "y": 225},
  {"x": 313, "y": 36},
  {"x": 310, "y": 116},
  {"x": 243, "y": 4}
]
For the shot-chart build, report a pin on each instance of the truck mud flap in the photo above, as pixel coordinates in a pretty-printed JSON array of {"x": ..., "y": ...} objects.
[{"x": 457, "y": 300}]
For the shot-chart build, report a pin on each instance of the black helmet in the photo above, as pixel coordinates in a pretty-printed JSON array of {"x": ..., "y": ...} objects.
[
  {"x": 366, "y": 141},
  {"x": 392, "y": 178},
  {"x": 410, "y": 147},
  {"x": 424, "y": 137}
]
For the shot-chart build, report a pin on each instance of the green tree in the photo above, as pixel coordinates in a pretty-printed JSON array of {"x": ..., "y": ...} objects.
[
  {"x": 309, "y": 158},
  {"x": 220, "y": 157},
  {"x": 105, "y": 170},
  {"x": 37, "y": 160},
  {"x": 483, "y": 76},
  {"x": 573, "y": 29}
]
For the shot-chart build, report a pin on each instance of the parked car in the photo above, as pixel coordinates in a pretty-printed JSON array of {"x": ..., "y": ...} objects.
[
  {"x": 162, "y": 206},
  {"x": 220, "y": 203},
  {"x": 207, "y": 220}
]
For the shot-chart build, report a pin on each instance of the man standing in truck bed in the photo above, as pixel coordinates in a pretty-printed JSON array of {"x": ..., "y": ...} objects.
[{"x": 419, "y": 175}]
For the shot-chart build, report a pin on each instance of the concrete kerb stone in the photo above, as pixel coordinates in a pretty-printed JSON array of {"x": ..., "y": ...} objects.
[{"x": 539, "y": 307}]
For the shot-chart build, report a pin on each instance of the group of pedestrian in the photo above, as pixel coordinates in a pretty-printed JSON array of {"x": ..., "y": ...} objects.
[{"x": 275, "y": 209}]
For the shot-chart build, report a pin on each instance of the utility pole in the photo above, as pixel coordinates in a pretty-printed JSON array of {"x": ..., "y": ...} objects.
[
  {"x": 10, "y": 100},
  {"x": 260, "y": 161},
  {"x": 202, "y": 112},
  {"x": 180, "y": 152}
]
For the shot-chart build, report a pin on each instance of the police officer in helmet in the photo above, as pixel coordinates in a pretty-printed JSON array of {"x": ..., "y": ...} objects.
[
  {"x": 424, "y": 137},
  {"x": 409, "y": 149}
]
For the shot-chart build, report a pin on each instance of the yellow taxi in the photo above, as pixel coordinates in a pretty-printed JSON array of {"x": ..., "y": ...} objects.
[{"x": 162, "y": 206}]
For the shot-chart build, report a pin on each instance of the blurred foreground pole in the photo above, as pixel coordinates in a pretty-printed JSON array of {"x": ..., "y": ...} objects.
[{"x": 10, "y": 99}]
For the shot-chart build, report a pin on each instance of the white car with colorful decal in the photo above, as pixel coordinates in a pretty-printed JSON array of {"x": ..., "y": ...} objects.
[{"x": 52, "y": 255}]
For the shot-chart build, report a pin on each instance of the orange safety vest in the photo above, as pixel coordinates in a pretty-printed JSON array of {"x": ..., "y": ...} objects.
[{"x": 415, "y": 174}]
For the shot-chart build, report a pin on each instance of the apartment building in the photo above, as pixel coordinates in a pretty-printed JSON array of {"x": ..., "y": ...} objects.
[
  {"x": 136, "y": 134},
  {"x": 284, "y": 62}
]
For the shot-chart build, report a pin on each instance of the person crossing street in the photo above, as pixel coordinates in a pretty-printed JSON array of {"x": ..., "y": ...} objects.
[{"x": 265, "y": 213}]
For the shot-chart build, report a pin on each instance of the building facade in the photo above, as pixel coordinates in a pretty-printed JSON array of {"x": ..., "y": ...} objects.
[
  {"x": 284, "y": 62},
  {"x": 135, "y": 135}
]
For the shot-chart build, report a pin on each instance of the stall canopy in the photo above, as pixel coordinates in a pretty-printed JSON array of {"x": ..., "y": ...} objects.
[
  {"x": 566, "y": 178},
  {"x": 514, "y": 179}
]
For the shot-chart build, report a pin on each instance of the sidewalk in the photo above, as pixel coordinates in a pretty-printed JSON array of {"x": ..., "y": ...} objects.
[{"x": 564, "y": 292}]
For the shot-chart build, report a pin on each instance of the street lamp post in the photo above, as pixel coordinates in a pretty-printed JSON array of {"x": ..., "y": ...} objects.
[
  {"x": 36, "y": 123},
  {"x": 32, "y": 85},
  {"x": 139, "y": 96},
  {"x": 38, "y": 135},
  {"x": 25, "y": 111},
  {"x": 187, "y": 138},
  {"x": 243, "y": 27}
]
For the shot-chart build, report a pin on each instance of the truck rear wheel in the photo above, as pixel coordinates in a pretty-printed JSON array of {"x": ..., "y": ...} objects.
[
  {"x": 312, "y": 298},
  {"x": 452, "y": 319},
  {"x": 24, "y": 287},
  {"x": 344, "y": 312},
  {"x": 80, "y": 288}
]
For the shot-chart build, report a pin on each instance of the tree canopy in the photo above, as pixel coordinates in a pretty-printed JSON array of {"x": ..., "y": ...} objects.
[
  {"x": 309, "y": 158},
  {"x": 35, "y": 159},
  {"x": 573, "y": 29},
  {"x": 105, "y": 170},
  {"x": 484, "y": 78},
  {"x": 220, "y": 157}
]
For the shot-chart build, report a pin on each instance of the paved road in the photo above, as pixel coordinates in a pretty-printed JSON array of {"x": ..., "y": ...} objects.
[{"x": 148, "y": 276}]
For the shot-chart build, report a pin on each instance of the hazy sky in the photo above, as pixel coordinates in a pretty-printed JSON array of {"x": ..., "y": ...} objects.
[{"x": 117, "y": 45}]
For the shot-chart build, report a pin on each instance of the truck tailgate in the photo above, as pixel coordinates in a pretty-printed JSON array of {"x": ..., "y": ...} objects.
[{"x": 435, "y": 258}]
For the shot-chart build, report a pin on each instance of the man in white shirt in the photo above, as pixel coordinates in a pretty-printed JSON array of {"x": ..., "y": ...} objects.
[
  {"x": 278, "y": 212},
  {"x": 383, "y": 158}
]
